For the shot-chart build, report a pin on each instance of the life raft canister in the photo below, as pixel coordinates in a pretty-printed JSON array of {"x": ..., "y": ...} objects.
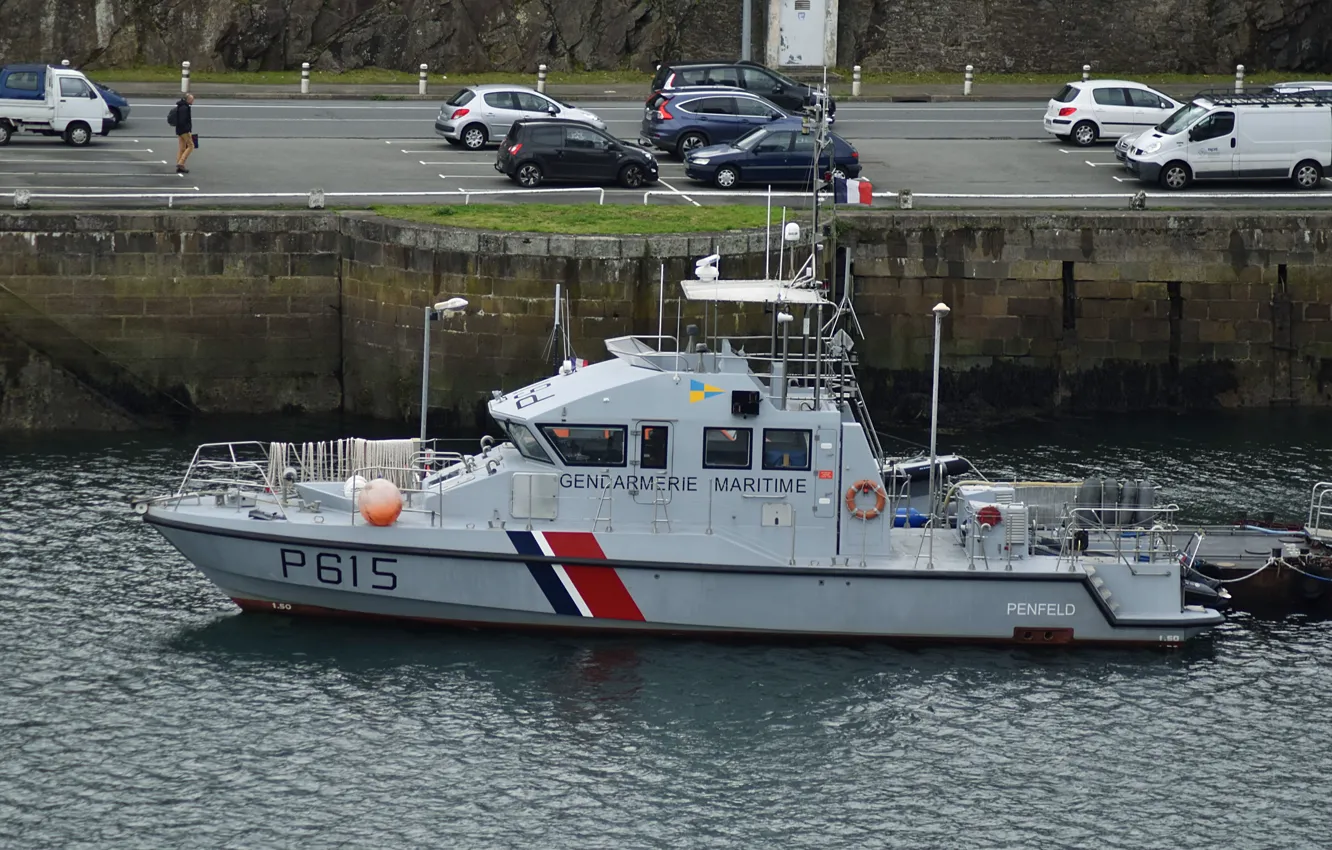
[{"x": 865, "y": 485}]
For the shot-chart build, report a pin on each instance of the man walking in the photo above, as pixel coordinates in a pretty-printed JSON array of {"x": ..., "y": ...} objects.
[{"x": 184, "y": 132}]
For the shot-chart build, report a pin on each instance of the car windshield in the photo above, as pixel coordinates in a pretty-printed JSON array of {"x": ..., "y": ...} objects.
[
  {"x": 1181, "y": 118},
  {"x": 785, "y": 80},
  {"x": 748, "y": 140}
]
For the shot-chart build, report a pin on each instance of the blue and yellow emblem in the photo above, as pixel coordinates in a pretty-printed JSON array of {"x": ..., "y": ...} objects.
[{"x": 699, "y": 391}]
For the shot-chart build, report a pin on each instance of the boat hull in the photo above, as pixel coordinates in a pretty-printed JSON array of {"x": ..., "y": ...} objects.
[{"x": 527, "y": 591}]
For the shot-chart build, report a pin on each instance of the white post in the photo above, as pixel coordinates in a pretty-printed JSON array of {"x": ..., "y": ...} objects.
[
  {"x": 184, "y": 77},
  {"x": 940, "y": 310},
  {"x": 1086, "y": 73},
  {"x": 421, "y": 85},
  {"x": 855, "y": 81},
  {"x": 305, "y": 78},
  {"x": 1239, "y": 79},
  {"x": 966, "y": 81},
  {"x": 746, "y": 28},
  {"x": 64, "y": 63},
  {"x": 541, "y": 78}
]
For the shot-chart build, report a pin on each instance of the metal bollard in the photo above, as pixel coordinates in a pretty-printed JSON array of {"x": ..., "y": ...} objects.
[
  {"x": 855, "y": 81},
  {"x": 966, "y": 81},
  {"x": 184, "y": 77},
  {"x": 541, "y": 78},
  {"x": 1239, "y": 79},
  {"x": 1086, "y": 73},
  {"x": 305, "y": 78},
  {"x": 421, "y": 86}
]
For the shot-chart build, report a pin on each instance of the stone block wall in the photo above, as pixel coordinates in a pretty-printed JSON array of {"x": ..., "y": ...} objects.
[
  {"x": 153, "y": 314},
  {"x": 165, "y": 313},
  {"x": 1097, "y": 312},
  {"x": 392, "y": 270}
]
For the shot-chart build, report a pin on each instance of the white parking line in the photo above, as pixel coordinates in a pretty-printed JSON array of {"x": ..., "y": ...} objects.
[
  {"x": 126, "y": 189},
  {"x": 71, "y": 174},
  {"x": 84, "y": 161},
  {"x": 1100, "y": 164},
  {"x": 457, "y": 162},
  {"x": 678, "y": 192}
]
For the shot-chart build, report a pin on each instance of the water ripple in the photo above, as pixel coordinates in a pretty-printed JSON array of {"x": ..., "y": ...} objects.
[{"x": 138, "y": 710}]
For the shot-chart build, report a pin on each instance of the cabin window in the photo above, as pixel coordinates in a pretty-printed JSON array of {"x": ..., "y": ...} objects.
[
  {"x": 22, "y": 81},
  {"x": 587, "y": 445},
  {"x": 785, "y": 448},
  {"x": 727, "y": 448},
  {"x": 526, "y": 441},
  {"x": 656, "y": 440}
]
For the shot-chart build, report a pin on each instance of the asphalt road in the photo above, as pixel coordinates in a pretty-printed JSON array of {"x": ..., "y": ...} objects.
[{"x": 371, "y": 151}]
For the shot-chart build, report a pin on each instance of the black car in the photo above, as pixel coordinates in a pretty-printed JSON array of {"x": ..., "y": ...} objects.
[
  {"x": 787, "y": 93},
  {"x": 541, "y": 149}
]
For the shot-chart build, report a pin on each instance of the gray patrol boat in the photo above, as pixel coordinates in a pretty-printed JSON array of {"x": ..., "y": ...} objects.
[
  {"x": 728, "y": 487},
  {"x": 703, "y": 491}
]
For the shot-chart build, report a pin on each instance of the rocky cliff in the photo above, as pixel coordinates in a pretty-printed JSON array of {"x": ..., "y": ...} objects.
[
  {"x": 1188, "y": 36},
  {"x": 515, "y": 35}
]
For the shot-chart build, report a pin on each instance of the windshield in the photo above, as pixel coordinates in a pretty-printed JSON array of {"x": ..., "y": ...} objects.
[
  {"x": 1181, "y": 118},
  {"x": 525, "y": 441},
  {"x": 461, "y": 98},
  {"x": 786, "y": 81},
  {"x": 753, "y": 137}
]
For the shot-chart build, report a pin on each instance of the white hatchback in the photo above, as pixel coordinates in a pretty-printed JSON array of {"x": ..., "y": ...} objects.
[{"x": 1085, "y": 112}]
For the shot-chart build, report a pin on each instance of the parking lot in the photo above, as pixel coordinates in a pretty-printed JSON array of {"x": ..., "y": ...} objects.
[{"x": 946, "y": 154}]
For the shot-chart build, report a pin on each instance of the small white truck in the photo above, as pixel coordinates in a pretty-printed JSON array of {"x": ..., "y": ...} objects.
[{"x": 51, "y": 101}]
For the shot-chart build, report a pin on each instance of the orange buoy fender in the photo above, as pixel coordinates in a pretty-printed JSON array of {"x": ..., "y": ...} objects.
[
  {"x": 381, "y": 502},
  {"x": 865, "y": 485}
]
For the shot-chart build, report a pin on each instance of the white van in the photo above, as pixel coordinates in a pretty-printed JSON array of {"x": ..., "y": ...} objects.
[
  {"x": 51, "y": 101},
  {"x": 1247, "y": 137}
]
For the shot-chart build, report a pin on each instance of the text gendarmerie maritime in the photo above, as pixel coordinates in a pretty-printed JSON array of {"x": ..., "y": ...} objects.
[{"x": 684, "y": 483}]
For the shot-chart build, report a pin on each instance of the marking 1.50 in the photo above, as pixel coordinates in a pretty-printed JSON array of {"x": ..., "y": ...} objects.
[{"x": 332, "y": 568}]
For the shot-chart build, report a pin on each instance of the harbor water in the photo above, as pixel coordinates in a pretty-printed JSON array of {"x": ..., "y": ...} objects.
[{"x": 138, "y": 708}]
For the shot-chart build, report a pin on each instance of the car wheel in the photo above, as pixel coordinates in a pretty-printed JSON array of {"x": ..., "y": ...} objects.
[
  {"x": 1176, "y": 175},
  {"x": 115, "y": 116},
  {"x": 632, "y": 176},
  {"x": 78, "y": 134},
  {"x": 690, "y": 142},
  {"x": 1307, "y": 175},
  {"x": 1084, "y": 134},
  {"x": 474, "y": 137},
  {"x": 726, "y": 177},
  {"x": 839, "y": 173},
  {"x": 529, "y": 175},
  {"x": 457, "y": 143},
  {"x": 5, "y": 133}
]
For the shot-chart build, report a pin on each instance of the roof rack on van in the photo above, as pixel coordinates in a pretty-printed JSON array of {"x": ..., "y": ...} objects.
[{"x": 1265, "y": 97}]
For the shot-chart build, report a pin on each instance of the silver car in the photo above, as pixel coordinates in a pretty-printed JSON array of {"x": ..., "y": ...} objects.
[{"x": 478, "y": 115}]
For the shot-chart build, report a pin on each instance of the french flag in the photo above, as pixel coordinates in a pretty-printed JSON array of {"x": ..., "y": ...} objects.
[{"x": 847, "y": 191}]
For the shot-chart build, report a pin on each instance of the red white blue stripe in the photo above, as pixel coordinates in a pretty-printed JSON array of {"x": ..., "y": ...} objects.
[
  {"x": 851, "y": 191},
  {"x": 575, "y": 590}
]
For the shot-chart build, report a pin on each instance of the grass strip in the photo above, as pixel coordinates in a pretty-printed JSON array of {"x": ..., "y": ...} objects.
[{"x": 610, "y": 220}]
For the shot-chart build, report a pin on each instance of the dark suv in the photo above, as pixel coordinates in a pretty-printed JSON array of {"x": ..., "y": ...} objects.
[
  {"x": 751, "y": 76},
  {"x": 684, "y": 120},
  {"x": 541, "y": 149}
]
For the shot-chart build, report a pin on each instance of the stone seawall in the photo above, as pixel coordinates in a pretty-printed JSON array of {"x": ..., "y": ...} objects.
[{"x": 115, "y": 318}]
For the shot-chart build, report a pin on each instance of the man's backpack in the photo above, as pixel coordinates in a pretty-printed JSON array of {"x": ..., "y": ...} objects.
[{"x": 171, "y": 116}]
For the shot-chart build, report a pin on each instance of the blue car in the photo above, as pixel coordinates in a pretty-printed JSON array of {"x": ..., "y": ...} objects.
[
  {"x": 777, "y": 153},
  {"x": 683, "y": 121},
  {"x": 116, "y": 102}
]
